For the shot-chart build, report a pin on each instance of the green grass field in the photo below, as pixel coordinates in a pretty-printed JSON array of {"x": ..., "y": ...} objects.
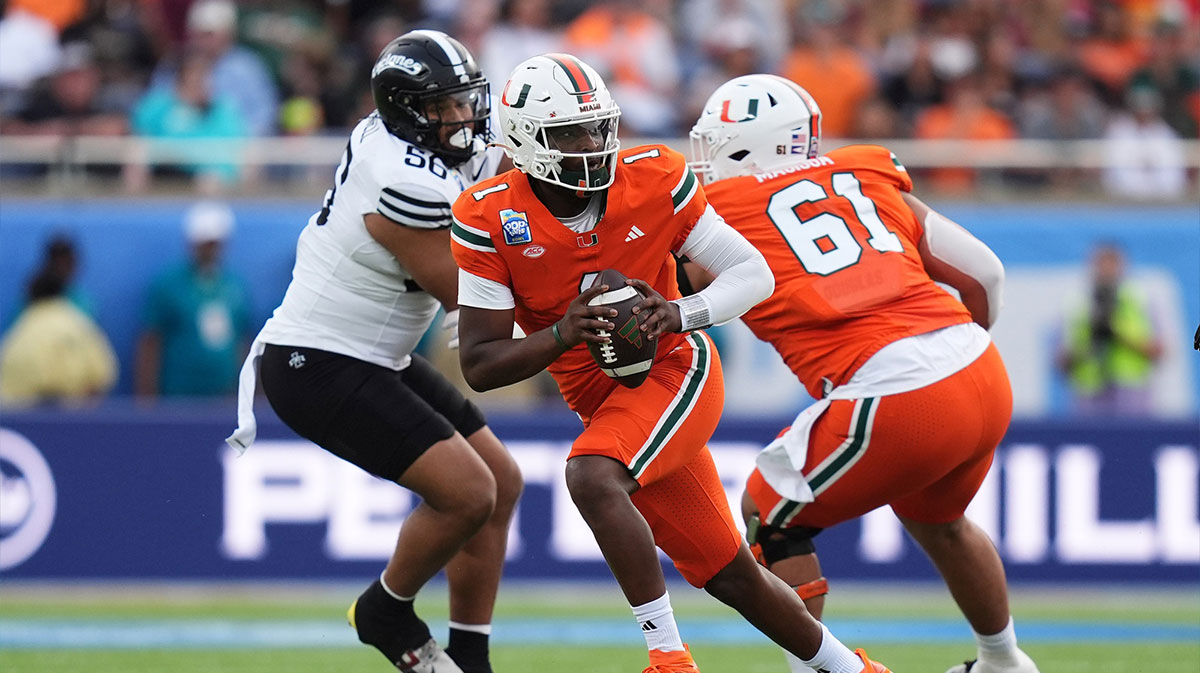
[{"x": 857, "y": 607}]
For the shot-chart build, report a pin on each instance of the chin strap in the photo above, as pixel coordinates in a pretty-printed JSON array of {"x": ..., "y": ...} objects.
[{"x": 817, "y": 587}]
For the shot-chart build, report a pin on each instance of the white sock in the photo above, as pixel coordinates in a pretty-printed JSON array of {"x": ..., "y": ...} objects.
[
  {"x": 833, "y": 656},
  {"x": 657, "y": 620},
  {"x": 795, "y": 665},
  {"x": 999, "y": 648},
  {"x": 393, "y": 594}
]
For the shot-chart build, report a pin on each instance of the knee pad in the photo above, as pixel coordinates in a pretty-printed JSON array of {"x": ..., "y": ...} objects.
[{"x": 771, "y": 544}]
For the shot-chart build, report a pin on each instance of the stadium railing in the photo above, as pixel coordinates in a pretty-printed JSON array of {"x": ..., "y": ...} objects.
[{"x": 74, "y": 155}]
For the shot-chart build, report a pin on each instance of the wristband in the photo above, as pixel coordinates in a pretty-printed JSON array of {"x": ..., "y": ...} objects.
[
  {"x": 558, "y": 337},
  {"x": 693, "y": 313}
]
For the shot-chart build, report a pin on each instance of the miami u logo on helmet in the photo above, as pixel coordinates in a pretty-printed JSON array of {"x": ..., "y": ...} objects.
[
  {"x": 751, "y": 111},
  {"x": 520, "y": 97}
]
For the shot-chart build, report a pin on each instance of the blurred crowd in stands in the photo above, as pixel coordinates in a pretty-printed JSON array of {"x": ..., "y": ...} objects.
[{"x": 1123, "y": 70}]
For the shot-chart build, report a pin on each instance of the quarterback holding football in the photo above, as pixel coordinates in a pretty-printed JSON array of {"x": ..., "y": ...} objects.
[{"x": 555, "y": 245}]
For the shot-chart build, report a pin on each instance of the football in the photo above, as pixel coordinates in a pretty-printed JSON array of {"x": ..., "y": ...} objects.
[{"x": 629, "y": 354}]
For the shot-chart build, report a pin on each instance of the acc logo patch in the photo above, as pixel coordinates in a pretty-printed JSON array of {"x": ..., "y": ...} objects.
[
  {"x": 534, "y": 251},
  {"x": 515, "y": 226},
  {"x": 404, "y": 64}
]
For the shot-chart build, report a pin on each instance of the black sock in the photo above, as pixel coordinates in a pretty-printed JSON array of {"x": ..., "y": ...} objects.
[
  {"x": 469, "y": 650},
  {"x": 388, "y": 623}
]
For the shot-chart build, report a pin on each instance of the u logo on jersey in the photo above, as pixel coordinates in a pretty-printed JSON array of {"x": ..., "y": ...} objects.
[{"x": 515, "y": 226}]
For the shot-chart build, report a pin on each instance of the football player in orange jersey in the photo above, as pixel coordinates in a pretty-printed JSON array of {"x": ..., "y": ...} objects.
[
  {"x": 913, "y": 396},
  {"x": 529, "y": 244}
]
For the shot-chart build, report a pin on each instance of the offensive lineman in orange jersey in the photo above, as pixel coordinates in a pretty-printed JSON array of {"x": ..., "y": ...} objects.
[
  {"x": 913, "y": 397},
  {"x": 529, "y": 244}
]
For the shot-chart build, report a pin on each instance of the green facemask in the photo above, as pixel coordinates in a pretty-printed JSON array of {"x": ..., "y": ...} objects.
[{"x": 594, "y": 178}]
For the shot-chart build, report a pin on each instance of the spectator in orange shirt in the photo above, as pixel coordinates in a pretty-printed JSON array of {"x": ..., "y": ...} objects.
[
  {"x": 837, "y": 76},
  {"x": 634, "y": 52},
  {"x": 60, "y": 13},
  {"x": 965, "y": 115},
  {"x": 1112, "y": 52}
]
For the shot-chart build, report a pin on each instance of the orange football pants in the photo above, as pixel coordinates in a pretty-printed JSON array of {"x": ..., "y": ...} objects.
[
  {"x": 660, "y": 431},
  {"x": 924, "y": 452}
]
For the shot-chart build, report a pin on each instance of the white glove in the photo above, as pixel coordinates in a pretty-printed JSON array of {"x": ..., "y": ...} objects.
[{"x": 450, "y": 325}]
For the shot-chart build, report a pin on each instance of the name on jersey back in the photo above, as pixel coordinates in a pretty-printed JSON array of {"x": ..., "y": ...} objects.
[{"x": 802, "y": 166}]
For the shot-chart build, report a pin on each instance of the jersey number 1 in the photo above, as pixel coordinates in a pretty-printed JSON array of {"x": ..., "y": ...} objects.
[{"x": 840, "y": 249}]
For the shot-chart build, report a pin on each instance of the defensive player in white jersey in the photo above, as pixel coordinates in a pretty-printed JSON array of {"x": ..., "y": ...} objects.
[{"x": 336, "y": 359}]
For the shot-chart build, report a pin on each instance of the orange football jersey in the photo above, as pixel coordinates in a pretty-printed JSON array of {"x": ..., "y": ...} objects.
[
  {"x": 842, "y": 244},
  {"x": 502, "y": 232}
]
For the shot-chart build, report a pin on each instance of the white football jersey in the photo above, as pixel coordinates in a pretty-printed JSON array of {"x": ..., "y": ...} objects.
[{"x": 349, "y": 294}]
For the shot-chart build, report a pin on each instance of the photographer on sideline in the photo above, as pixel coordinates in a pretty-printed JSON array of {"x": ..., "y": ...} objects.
[{"x": 1109, "y": 344}]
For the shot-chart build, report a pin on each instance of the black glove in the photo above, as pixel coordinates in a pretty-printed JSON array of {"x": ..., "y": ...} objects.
[{"x": 1196, "y": 342}]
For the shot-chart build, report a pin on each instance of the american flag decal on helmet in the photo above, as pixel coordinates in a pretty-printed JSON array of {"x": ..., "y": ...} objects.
[{"x": 799, "y": 141}]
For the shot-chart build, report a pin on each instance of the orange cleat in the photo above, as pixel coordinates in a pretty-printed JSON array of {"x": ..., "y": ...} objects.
[
  {"x": 674, "y": 662},
  {"x": 871, "y": 666}
]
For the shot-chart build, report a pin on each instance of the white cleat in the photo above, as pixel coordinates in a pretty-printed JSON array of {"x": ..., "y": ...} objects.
[
  {"x": 428, "y": 658},
  {"x": 1023, "y": 664}
]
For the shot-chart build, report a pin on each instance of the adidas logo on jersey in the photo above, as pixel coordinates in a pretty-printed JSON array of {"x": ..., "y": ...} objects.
[{"x": 634, "y": 233}]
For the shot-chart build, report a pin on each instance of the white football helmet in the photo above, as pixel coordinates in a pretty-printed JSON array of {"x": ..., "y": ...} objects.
[
  {"x": 754, "y": 124},
  {"x": 556, "y": 107}
]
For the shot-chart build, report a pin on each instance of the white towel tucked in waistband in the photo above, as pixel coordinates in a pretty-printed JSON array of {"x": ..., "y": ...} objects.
[
  {"x": 247, "y": 428},
  {"x": 782, "y": 461}
]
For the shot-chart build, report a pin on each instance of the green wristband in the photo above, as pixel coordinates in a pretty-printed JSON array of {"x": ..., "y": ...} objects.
[{"x": 558, "y": 337}]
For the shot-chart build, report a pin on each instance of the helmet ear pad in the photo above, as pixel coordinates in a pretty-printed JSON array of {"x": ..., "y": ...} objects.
[{"x": 414, "y": 72}]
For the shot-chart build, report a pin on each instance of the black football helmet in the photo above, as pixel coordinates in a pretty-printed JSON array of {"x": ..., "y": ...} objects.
[{"x": 423, "y": 77}]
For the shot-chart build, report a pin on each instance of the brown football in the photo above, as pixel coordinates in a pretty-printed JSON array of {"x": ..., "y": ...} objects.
[{"x": 628, "y": 355}]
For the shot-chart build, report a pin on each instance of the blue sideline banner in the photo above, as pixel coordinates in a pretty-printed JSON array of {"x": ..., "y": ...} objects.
[{"x": 129, "y": 493}]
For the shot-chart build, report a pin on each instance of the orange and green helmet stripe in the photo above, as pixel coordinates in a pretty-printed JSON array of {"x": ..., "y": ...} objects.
[{"x": 584, "y": 88}]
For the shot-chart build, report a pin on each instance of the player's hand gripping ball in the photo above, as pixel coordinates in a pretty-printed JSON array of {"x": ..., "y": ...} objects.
[{"x": 628, "y": 354}]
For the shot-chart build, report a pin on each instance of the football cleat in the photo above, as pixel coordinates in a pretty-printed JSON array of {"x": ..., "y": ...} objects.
[
  {"x": 428, "y": 658},
  {"x": 871, "y": 666},
  {"x": 395, "y": 637},
  {"x": 1023, "y": 664},
  {"x": 671, "y": 662}
]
